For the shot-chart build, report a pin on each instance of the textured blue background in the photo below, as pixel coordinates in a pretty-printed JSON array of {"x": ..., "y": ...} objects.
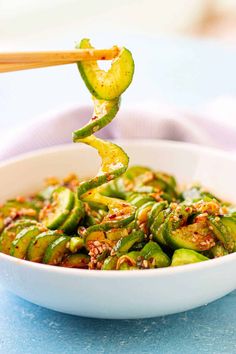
[{"x": 183, "y": 72}]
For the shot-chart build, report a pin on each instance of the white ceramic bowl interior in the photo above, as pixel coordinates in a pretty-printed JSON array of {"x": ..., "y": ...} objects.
[{"x": 120, "y": 294}]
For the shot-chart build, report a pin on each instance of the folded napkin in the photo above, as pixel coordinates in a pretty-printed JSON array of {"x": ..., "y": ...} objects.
[{"x": 212, "y": 125}]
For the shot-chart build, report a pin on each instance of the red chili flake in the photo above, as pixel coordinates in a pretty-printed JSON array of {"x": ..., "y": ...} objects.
[
  {"x": 94, "y": 117},
  {"x": 109, "y": 177},
  {"x": 113, "y": 216}
]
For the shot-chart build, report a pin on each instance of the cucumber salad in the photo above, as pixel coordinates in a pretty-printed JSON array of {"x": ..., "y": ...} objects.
[{"x": 122, "y": 218}]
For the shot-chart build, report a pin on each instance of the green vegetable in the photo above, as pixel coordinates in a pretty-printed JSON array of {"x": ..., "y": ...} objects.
[
  {"x": 111, "y": 84},
  {"x": 177, "y": 234},
  {"x": 110, "y": 263},
  {"x": 74, "y": 218},
  {"x": 128, "y": 261},
  {"x": 104, "y": 112},
  {"x": 76, "y": 261},
  {"x": 158, "y": 226},
  {"x": 224, "y": 229},
  {"x": 115, "y": 234},
  {"x": 62, "y": 201},
  {"x": 9, "y": 233},
  {"x": 154, "y": 254},
  {"x": 155, "y": 211},
  {"x": 56, "y": 250},
  {"x": 217, "y": 251},
  {"x": 22, "y": 240},
  {"x": 75, "y": 244},
  {"x": 15, "y": 209},
  {"x": 39, "y": 245},
  {"x": 184, "y": 256},
  {"x": 125, "y": 243}
]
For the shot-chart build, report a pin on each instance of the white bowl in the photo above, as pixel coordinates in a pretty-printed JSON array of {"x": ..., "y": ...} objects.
[{"x": 121, "y": 294}]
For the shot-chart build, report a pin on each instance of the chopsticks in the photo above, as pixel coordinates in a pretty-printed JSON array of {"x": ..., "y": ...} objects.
[{"x": 31, "y": 60}]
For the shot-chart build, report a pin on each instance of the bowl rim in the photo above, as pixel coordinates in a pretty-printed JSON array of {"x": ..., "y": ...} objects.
[
  {"x": 158, "y": 272},
  {"x": 134, "y": 142}
]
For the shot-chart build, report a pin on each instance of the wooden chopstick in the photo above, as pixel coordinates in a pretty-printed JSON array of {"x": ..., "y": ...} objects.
[
  {"x": 4, "y": 68},
  {"x": 31, "y": 60}
]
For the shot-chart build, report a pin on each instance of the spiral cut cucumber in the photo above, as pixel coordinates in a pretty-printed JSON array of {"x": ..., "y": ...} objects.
[{"x": 123, "y": 218}]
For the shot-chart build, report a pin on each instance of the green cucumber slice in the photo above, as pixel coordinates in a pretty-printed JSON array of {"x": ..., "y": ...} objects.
[
  {"x": 16, "y": 205},
  {"x": 157, "y": 227},
  {"x": 76, "y": 261},
  {"x": 142, "y": 215},
  {"x": 104, "y": 112},
  {"x": 128, "y": 261},
  {"x": 9, "y": 233},
  {"x": 217, "y": 251},
  {"x": 76, "y": 243},
  {"x": 186, "y": 256},
  {"x": 22, "y": 240},
  {"x": 46, "y": 193},
  {"x": 24, "y": 209},
  {"x": 94, "y": 217},
  {"x": 118, "y": 222},
  {"x": 177, "y": 234},
  {"x": 107, "y": 85},
  {"x": 110, "y": 263},
  {"x": 116, "y": 234},
  {"x": 153, "y": 253},
  {"x": 39, "y": 244},
  {"x": 140, "y": 200},
  {"x": 119, "y": 188},
  {"x": 74, "y": 218},
  {"x": 56, "y": 251},
  {"x": 58, "y": 211},
  {"x": 224, "y": 229},
  {"x": 156, "y": 209},
  {"x": 125, "y": 243},
  {"x": 114, "y": 163},
  {"x": 195, "y": 236}
]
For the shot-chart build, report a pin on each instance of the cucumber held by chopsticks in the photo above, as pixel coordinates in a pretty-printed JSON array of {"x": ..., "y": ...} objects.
[{"x": 122, "y": 218}]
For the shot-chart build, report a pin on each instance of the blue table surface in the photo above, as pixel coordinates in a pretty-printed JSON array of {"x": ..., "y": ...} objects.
[
  {"x": 27, "y": 328},
  {"x": 185, "y": 74}
]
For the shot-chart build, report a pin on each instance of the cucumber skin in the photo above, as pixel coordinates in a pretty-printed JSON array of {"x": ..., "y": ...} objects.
[
  {"x": 77, "y": 260},
  {"x": 108, "y": 225},
  {"x": 153, "y": 250},
  {"x": 6, "y": 239},
  {"x": 185, "y": 256},
  {"x": 97, "y": 124},
  {"x": 158, "y": 227},
  {"x": 76, "y": 214},
  {"x": 55, "y": 222},
  {"x": 125, "y": 243},
  {"x": 93, "y": 87},
  {"x": 223, "y": 233},
  {"x": 110, "y": 263},
  {"x": 103, "y": 147},
  {"x": 22, "y": 240},
  {"x": 56, "y": 251},
  {"x": 155, "y": 211},
  {"x": 176, "y": 241},
  {"x": 39, "y": 244}
]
